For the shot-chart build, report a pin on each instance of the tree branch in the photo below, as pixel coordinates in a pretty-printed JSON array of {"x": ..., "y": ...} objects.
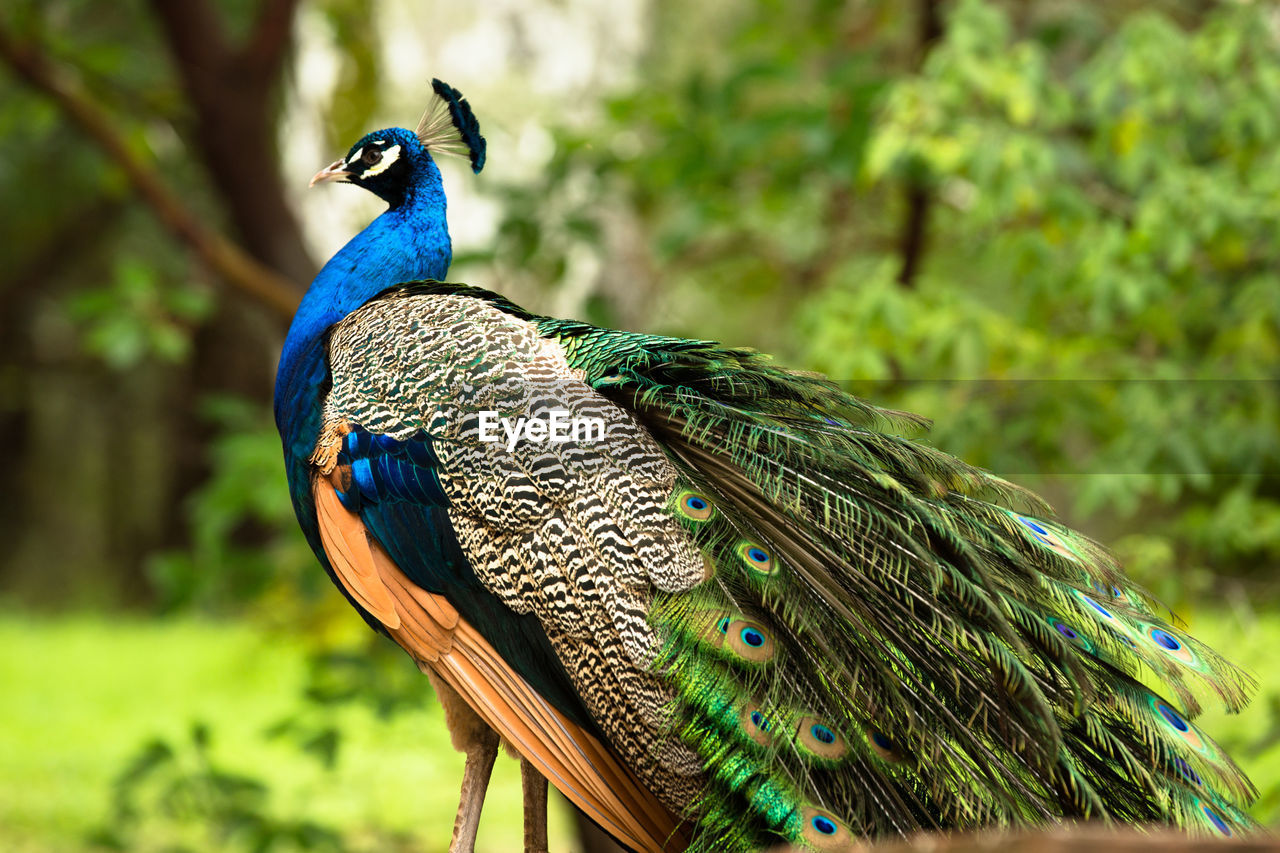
[
  {"x": 232, "y": 104},
  {"x": 194, "y": 34},
  {"x": 266, "y": 45},
  {"x": 911, "y": 243},
  {"x": 219, "y": 254}
]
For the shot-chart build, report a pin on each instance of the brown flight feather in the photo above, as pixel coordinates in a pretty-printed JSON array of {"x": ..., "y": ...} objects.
[{"x": 430, "y": 630}]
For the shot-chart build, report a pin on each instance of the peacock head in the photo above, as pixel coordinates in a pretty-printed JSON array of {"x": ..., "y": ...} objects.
[{"x": 389, "y": 162}]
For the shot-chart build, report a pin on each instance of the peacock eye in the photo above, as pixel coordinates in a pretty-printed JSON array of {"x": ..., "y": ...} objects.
[{"x": 371, "y": 156}]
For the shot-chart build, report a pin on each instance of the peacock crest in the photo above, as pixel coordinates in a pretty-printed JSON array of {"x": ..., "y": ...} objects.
[{"x": 449, "y": 127}]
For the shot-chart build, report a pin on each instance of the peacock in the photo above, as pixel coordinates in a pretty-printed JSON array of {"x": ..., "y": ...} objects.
[{"x": 720, "y": 604}]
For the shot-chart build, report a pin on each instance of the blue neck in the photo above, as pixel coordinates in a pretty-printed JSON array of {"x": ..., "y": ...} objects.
[{"x": 408, "y": 242}]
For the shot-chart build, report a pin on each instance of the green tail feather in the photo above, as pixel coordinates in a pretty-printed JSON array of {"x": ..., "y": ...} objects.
[
  {"x": 887, "y": 642},
  {"x": 889, "y": 639}
]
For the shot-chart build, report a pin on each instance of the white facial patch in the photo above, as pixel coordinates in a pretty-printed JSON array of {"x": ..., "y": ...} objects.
[
  {"x": 388, "y": 157},
  {"x": 355, "y": 156}
]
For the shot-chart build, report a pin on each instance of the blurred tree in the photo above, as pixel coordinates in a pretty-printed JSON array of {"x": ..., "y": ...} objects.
[{"x": 85, "y": 446}]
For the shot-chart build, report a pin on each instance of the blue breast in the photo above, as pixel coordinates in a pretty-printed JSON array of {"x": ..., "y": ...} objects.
[
  {"x": 397, "y": 493},
  {"x": 408, "y": 242}
]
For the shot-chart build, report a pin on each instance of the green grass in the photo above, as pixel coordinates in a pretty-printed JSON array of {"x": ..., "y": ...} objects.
[{"x": 79, "y": 696}]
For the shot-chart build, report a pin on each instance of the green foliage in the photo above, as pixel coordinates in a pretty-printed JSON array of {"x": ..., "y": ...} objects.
[
  {"x": 735, "y": 165},
  {"x": 373, "y": 673},
  {"x": 1110, "y": 220},
  {"x": 223, "y": 566},
  {"x": 216, "y": 807},
  {"x": 353, "y": 25},
  {"x": 138, "y": 316}
]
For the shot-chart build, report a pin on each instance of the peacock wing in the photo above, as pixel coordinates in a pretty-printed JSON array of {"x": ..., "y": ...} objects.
[
  {"x": 537, "y": 545},
  {"x": 430, "y": 628}
]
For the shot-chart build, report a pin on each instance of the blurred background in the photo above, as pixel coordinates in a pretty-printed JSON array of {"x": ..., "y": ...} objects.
[{"x": 1049, "y": 225}]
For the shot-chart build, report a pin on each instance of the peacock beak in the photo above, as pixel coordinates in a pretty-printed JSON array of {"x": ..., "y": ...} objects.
[{"x": 335, "y": 171}]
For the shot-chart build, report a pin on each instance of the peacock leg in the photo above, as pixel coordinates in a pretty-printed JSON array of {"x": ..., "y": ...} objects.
[
  {"x": 535, "y": 808},
  {"x": 472, "y": 737},
  {"x": 481, "y": 753}
]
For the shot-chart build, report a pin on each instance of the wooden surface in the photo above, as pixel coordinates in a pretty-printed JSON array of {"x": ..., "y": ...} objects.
[{"x": 1074, "y": 839}]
